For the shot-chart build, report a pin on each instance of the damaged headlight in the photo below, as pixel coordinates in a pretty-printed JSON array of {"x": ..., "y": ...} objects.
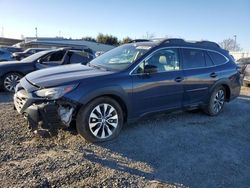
[{"x": 55, "y": 92}]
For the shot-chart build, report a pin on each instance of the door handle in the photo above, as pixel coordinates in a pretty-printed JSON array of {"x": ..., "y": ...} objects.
[
  {"x": 213, "y": 75},
  {"x": 178, "y": 79}
]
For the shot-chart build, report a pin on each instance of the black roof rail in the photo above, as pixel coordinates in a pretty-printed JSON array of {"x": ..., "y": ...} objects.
[
  {"x": 208, "y": 43},
  {"x": 172, "y": 41},
  {"x": 140, "y": 40},
  {"x": 181, "y": 41}
]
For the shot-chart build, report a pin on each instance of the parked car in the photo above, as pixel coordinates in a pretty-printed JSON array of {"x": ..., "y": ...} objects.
[
  {"x": 243, "y": 62},
  {"x": 246, "y": 77},
  {"x": 20, "y": 55},
  {"x": 12, "y": 71},
  {"x": 5, "y": 55},
  {"x": 127, "y": 83},
  {"x": 11, "y": 49}
]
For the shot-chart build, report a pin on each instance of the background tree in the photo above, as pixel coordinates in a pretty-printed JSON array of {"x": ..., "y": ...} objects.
[
  {"x": 148, "y": 35},
  {"x": 126, "y": 40},
  {"x": 107, "y": 39},
  {"x": 89, "y": 39},
  {"x": 230, "y": 45}
]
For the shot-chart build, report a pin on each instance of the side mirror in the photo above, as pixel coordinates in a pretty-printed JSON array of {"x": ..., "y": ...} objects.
[{"x": 150, "y": 69}]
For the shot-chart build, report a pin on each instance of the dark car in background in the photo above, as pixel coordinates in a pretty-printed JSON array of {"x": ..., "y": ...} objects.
[
  {"x": 127, "y": 83},
  {"x": 20, "y": 55},
  {"x": 12, "y": 71},
  {"x": 5, "y": 55},
  {"x": 11, "y": 49}
]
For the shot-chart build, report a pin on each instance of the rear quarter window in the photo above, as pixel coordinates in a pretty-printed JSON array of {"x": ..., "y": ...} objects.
[{"x": 217, "y": 58}]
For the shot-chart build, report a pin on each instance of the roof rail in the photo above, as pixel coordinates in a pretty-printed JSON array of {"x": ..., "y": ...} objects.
[
  {"x": 172, "y": 41},
  {"x": 181, "y": 41},
  {"x": 139, "y": 40},
  {"x": 208, "y": 43}
]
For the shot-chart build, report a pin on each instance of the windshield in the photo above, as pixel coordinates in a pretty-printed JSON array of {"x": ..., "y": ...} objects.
[
  {"x": 120, "y": 57},
  {"x": 34, "y": 57}
]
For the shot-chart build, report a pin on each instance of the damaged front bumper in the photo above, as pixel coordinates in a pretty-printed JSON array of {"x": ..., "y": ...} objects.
[{"x": 43, "y": 114}]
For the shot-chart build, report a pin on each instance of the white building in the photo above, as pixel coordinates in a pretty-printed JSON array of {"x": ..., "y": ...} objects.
[
  {"x": 41, "y": 42},
  {"x": 238, "y": 55}
]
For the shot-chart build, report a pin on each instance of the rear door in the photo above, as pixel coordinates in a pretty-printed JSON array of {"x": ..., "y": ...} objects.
[{"x": 199, "y": 74}]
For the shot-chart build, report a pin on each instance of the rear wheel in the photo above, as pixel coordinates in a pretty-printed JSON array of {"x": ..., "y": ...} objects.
[
  {"x": 10, "y": 81},
  {"x": 100, "y": 120},
  {"x": 216, "y": 102},
  {"x": 245, "y": 84}
]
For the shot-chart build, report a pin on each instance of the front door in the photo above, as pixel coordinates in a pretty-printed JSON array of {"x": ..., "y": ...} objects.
[{"x": 161, "y": 89}]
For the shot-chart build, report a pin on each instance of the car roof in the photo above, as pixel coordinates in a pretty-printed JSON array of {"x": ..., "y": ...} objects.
[{"x": 176, "y": 42}]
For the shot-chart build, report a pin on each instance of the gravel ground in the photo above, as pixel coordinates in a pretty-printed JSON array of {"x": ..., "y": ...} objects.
[{"x": 180, "y": 149}]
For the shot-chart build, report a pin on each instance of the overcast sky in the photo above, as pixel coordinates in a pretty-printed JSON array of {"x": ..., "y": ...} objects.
[{"x": 189, "y": 19}]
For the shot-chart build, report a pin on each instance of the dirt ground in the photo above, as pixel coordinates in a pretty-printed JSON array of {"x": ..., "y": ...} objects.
[{"x": 181, "y": 149}]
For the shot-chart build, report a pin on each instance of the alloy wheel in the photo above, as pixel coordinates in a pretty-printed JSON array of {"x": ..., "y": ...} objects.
[
  {"x": 219, "y": 100},
  {"x": 11, "y": 81},
  {"x": 103, "y": 121}
]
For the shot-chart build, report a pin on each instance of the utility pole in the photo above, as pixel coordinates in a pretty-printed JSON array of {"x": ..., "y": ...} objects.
[
  {"x": 235, "y": 42},
  {"x": 36, "y": 32},
  {"x": 2, "y": 32}
]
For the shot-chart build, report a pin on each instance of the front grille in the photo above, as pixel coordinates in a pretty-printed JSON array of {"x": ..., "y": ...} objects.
[{"x": 20, "y": 98}]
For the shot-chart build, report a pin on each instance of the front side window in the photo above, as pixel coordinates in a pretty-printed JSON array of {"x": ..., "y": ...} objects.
[
  {"x": 217, "y": 58},
  {"x": 162, "y": 60},
  {"x": 193, "y": 58}
]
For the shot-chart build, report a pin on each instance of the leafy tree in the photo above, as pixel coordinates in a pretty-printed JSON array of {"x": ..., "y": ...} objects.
[
  {"x": 107, "y": 39},
  {"x": 89, "y": 39},
  {"x": 126, "y": 40},
  {"x": 230, "y": 45}
]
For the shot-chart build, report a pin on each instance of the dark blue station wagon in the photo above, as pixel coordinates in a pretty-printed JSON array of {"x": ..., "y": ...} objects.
[{"x": 126, "y": 83}]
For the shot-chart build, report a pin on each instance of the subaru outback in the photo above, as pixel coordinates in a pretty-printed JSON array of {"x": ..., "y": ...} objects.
[{"x": 127, "y": 83}]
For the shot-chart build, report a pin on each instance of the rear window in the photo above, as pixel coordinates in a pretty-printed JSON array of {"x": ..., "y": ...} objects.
[
  {"x": 193, "y": 58},
  {"x": 217, "y": 58}
]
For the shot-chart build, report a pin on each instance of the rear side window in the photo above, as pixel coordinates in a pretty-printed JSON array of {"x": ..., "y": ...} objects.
[
  {"x": 80, "y": 57},
  {"x": 193, "y": 58},
  {"x": 209, "y": 61},
  {"x": 217, "y": 58}
]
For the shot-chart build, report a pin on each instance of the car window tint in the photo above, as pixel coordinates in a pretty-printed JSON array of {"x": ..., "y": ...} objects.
[
  {"x": 193, "y": 58},
  {"x": 80, "y": 57},
  {"x": 1, "y": 52},
  {"x": 217, "y": 58},
  {"x": 209, "y": 61},
  {"x": 164, "y": 60},
  {"x": 57, "y": 56}
]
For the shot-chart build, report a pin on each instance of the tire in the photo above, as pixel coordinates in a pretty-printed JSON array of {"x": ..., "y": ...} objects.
[
  {"x": 95, "y": 125},
  {"x": 10, "y": 81},
  {"x": 245, "y": 84},
  {"x": 216, "y": 101}
]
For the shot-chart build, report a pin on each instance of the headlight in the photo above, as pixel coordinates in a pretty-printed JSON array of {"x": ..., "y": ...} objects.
[{"x": 55, "y": 92}]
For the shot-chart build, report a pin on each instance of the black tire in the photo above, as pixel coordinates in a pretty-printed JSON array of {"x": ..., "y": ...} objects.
[
  {"x": 85, "y": 116},
  {"x": 245, "y": 84},
  {"x": 210, "y": 109},
  {"x": 7, "y": 78}
]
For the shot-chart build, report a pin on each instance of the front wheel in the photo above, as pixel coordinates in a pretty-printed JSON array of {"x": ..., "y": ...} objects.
[
  {"x": 100, "y": 120},
  {"x": 216, "y": 102},
  {"x": 10, "y": 81}
]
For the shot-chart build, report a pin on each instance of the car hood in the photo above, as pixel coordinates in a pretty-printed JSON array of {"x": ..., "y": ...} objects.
[
  {"x": 62, "y": 75},
  {"x": 12, "y": 63},
  {"x": 17, "y": 53}
]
